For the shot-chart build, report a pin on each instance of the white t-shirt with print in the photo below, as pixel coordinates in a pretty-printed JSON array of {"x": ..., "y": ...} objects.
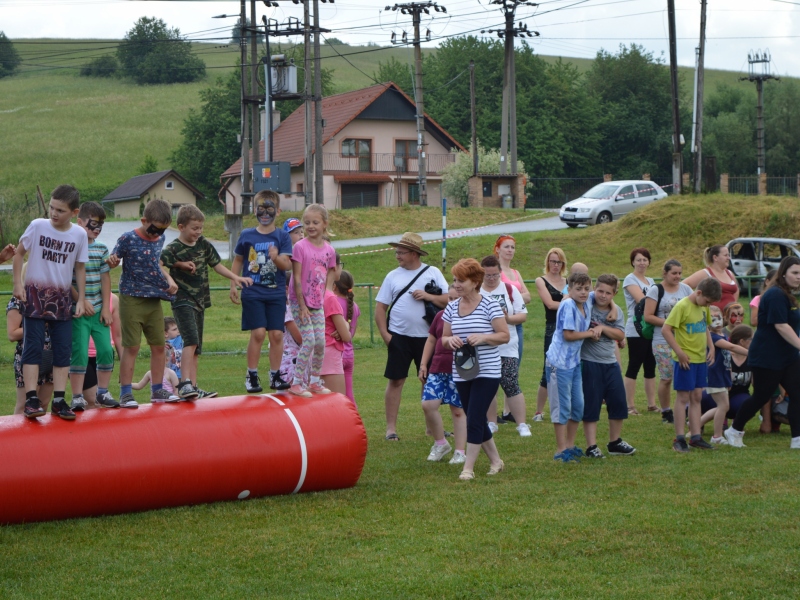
[{"x": 513, "y": 306}]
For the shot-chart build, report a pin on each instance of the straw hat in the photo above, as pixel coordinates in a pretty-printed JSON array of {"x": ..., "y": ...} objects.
[{"x": 410, "y": 241}]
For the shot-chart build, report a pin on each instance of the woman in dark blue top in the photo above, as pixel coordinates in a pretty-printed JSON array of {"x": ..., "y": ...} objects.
[{"x": 775, "y": 352}]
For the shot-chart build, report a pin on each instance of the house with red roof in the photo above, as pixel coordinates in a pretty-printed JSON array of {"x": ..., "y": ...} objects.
[{"x": 369, "y": 152}]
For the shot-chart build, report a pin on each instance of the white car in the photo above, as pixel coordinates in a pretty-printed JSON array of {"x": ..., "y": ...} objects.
[
  {"x": 608, "y": 201},
  {"x": 754, "y": 257}
]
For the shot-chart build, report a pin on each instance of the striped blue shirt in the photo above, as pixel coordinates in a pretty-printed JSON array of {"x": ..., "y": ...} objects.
[{"x": 563, "y": 354}]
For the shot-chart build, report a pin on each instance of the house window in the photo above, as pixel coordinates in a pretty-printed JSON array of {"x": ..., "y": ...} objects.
[
  {"x": 353, "y": 147},
  {"x": 300, "y": 187},
  {"x": 413, "y": 193},
  {"x": 406, "y": 148},
  {"x": 170, "y": 185},
  {"x": 487, "y": 189}
]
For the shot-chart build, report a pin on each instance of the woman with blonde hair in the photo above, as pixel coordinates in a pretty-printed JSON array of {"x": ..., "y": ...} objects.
[{"x": 550, "y": 286}]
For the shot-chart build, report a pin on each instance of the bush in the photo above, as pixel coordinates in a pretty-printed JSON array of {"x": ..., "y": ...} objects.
[
  {"x": 102, "y": 66},
  {"x": 9, "y": 57}
]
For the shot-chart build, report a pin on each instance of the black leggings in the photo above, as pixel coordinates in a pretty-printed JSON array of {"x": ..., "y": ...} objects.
[
  {"x": 640, "y": 353},
  {"x": 549, "y": 330},
  {"x": 765, "y": 382},
  {"x": 476, "y": 396}
]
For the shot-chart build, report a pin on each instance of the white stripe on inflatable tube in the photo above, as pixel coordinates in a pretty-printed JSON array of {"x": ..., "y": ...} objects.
[{"x": 301, "y": 438}]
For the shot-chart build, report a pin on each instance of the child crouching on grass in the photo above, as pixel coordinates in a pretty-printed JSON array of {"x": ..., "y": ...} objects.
[
  {"x": 686, "y": 330},
  {"x": 563, "y": 365}
]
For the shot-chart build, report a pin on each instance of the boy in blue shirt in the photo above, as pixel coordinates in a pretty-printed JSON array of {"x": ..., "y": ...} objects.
[
  {"x": 563, "y": 365},
  {"x": 263, "y": 254},
  {"x": 143, "y": 285}
]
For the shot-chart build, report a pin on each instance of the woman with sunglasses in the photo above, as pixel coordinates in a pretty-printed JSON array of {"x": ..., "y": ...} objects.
[{"x": 549, "y": 287}]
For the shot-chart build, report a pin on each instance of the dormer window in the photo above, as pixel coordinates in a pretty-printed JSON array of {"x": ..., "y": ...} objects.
[{"x": 170, "y": 185}]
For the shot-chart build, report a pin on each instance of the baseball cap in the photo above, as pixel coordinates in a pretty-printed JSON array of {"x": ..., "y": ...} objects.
[
  {"x": 291, "y": 224},
  {"x": 466, "y": 360}
]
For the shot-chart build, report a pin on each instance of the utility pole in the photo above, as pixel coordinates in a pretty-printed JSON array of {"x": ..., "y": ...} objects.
[
  {"x": 509, "y": 108},
  {"x": 415, "y": 9},
  {"x": 676, "y": 123},
  {"x": 319, "y": 182},
  {"x": 255, "y": 121},
  {"x": 473, "y": 117},
  {"x": 754, "y": 59},
  {"x": 245, "y": 129},
  {"x": 698, "y": 130},
  {"x": 308, "y": 164}
]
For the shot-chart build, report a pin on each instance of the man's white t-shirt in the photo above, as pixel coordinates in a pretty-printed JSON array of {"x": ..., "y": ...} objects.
[
  {"x": 52, "y": 255},
  {"x": 513, "y": 306},
  {"x": 407, "y": 315}
]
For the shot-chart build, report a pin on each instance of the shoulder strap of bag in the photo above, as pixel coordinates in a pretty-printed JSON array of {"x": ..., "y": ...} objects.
[{"x": 403, "y": 291}]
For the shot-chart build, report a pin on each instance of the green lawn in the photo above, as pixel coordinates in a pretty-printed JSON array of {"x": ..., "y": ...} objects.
[{"x": 656, "y": 525}]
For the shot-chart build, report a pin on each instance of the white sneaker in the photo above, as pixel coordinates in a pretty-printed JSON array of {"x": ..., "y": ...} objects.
[
  {"x": 79, "y": 403},
  {"x": 459, "y": 458},
  {"x": 734, "y": 437},
  {"x": 719, "y": 441},
  {"x": 493, "y": 427},
  {"x": 524, "y": 430},
  {"x": 538, "y": 417},
  {"x": 795, "y": 445},
  {"x": 439, "y": 452}
]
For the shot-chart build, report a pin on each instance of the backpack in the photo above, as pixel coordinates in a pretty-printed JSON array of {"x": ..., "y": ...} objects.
[{"x": 643, "y": 328}]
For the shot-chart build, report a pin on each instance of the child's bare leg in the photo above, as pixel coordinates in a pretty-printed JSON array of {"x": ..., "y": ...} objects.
[
  {"x": 708, "y": 416},
  {"x": 721, "y": 398},
  {"x": 127, "y": 363},
  {"x": 433, "y": 419},
  {"x": 30, "y": 374},
  {"x": 590, "y": 433},
  {"x": 459, "y": 427},
  {"x": 572, "y": 431},
  {"x": 695, "y": 412},
  {"x": 156, "y": 364},
  {"x": 614, "y": 430},
  {"x": 275, "y": 349},
  {"x": 681, "y": 400},
  {"x": 76, "y": 383},
  {"x": 45, "y": 393},
  {"x": 561, "y": 437},
  {"x": 254, "y": 346},
  {"x": 60, "y": 375},
  {"x": 189, "y": 364}
]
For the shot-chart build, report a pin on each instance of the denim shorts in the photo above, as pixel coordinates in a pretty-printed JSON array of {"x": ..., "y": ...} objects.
[
  {"x": 686, "y": 380},
  {"x": 565, "y": 392},
  {"x": 440, "y": 386}
]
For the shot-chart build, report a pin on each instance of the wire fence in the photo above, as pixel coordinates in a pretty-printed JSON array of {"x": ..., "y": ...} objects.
[{"x": 553, "y": 192}]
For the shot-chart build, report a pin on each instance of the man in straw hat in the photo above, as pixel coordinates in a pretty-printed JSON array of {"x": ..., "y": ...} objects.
[{"x": 400, "y": 318}]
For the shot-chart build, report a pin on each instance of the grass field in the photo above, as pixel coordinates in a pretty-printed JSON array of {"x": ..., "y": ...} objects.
[{"x": 719, "y": 524}]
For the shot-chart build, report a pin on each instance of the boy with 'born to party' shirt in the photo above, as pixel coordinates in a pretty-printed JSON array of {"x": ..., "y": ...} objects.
[
  {"x": 143, "y": 285},
  {"x": 56, "y": 248},
  {"x": 188, "y": 258},
  {"x": 96, "y": 318},
  {"x": 264, "y": 254},
  {"x": 686, "y": 330},
  {"x": 563, "y": 365}
]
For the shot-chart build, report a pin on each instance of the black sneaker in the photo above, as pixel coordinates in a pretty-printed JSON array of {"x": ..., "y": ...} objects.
[
  {"x": 594, "y": 452},
  {"x": 667, "y": 417},
  {"x": 61, "y": 409},
  {"x": 187, "y": 391},
  {"x": 680, "y": 445},
  {"x": 204, "y": 394},
  {"x": 620, "y": 448},
  {"x": 506, "y": 418},
  {"x": 33, "y": 408},
  {"x": 252, "y": 383},
  {"x": 276, "y": 382},
  {"x": 701, "y": 443}
]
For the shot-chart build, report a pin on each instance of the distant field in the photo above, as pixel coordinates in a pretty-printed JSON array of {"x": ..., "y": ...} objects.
[{"x": 57, "y": 127}]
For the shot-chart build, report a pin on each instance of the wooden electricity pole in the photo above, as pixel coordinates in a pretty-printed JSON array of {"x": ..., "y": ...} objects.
[
  {"x": 698, "y": 133},
  {"x": 676, "y": 121}
]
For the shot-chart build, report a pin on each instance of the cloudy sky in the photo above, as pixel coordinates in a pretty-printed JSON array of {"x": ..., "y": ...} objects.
[{"x": 568, "y": 27}]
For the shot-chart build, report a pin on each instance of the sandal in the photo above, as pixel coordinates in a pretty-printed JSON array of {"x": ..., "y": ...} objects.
[
  {"x": 633, "y": 411},
  {"x": 495, "y": 470},
  {"x": 466, "y": 475},
  {"x": 653, "y": 409},
  {"x": 392, "y": 437}
]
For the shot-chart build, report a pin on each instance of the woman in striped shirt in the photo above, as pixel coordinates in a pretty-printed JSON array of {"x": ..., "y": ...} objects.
[{"x": 478, "y": 321}]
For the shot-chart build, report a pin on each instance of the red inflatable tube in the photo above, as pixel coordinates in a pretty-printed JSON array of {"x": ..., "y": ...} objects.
[{"x": 161, "y": 455}]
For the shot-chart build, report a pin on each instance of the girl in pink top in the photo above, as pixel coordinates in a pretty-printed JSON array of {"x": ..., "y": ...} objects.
[
  {"x": 343, "y": 288},
  {"x": 754, "y": 303},
  {"x": 313, "y": 265}
]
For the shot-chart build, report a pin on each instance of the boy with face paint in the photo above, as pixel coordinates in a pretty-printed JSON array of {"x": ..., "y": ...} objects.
[
  {"x": 263, "y": 253},
  {"x": 143, "y": 285}
]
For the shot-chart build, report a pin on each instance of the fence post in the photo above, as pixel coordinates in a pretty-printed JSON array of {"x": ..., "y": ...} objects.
[
  {"x": 371, "y": 318},
  {"x": 762, "y": 184},
  {"x": 685, "y": 183},
  {"x": 607, "y": 177},
  {"x": 798, "y": 184},
  {"x": 723, "y": 183}
]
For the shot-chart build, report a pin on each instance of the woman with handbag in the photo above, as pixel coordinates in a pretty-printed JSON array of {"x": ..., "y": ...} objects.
[{"x": 474, "y": 326}]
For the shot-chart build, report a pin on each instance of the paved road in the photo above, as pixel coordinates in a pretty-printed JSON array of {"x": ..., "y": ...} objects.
[{"x": 113, "y": 229}]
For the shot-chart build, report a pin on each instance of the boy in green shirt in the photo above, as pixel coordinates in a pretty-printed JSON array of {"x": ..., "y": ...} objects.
[{"x": 686, "y": 330}]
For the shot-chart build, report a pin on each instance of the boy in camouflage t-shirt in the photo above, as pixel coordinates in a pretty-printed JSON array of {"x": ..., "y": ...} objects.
[{"x": 188, "y": 259}]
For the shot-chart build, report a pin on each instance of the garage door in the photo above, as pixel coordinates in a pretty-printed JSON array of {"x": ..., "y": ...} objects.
[{"x": 356, "y": 195}]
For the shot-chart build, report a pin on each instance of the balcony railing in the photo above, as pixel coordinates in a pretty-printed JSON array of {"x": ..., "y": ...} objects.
[{"x": 384, "y": 163}]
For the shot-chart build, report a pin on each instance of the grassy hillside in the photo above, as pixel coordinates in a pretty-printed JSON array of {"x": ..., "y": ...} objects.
[{"x": 57, "y": 127}]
